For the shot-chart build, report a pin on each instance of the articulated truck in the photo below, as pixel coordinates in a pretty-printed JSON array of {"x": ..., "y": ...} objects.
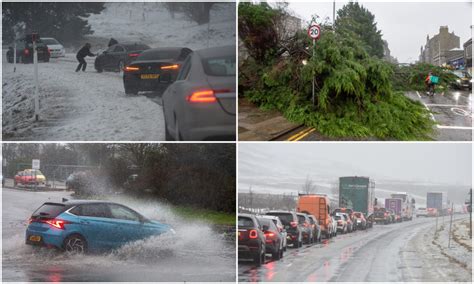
[
  {"x": 436, "y": 203},
  {"x": 357, "y": 193},
  {"x": 407, "y": 205}
]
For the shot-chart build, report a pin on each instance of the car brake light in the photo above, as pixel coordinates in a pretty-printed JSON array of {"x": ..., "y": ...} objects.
[
  {"x": 253, "y": 234},
  {"x": 26, "y": 51},
  {"x": 130, "y": 68},
  {"x": 269, "y": 234},
  {"x": 49, "y": 50},
  {"x": 170, "y": 67},
  {"x": 206, "y": 96},
  {"x": 56, "y": 223},
  {"x": 293, "y": 224},
  {"x": 133, "y": 54}
]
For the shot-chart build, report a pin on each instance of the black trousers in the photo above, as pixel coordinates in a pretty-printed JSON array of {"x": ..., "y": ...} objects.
[{"x": 82, "y": 63}]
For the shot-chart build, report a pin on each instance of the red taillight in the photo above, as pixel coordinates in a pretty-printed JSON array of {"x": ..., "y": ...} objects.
[
  {"x": 26, "y": 51},
  {"x": 293, "y": 224},
  {"x": 170, "y": 67},
  {"x": 253, "y": 234},
  {"x": 385, "y": 214},
  {"x": 130, "y": 68},
  {"x": 56, "y": 223},
  {"x": 49, "y": 50},
  {"x": 269, "y": 234},
  {"x": 133, "y": 54},
  {"x": 206, "y": 96}
]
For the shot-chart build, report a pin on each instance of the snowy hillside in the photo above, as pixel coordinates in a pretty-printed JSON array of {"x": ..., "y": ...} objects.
[{"x": 152, "y": 24}]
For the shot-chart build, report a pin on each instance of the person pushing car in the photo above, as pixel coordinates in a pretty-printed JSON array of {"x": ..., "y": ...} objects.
[{"x": 81, "y": 54}]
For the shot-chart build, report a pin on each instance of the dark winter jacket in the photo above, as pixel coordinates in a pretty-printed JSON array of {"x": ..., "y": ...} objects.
[
  {"x": 84, "y": 51},
  {"x": 112, "y": 42}
]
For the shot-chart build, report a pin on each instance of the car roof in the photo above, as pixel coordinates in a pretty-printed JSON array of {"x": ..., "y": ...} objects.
[
  {"x": 172, "y": 48},
  {"x": 216, "y": 51},
  {"x": 245, "y": 215},
  {"x": 80, "y": 202}
]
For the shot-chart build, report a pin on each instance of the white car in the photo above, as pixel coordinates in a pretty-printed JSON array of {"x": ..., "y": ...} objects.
[
  {"x": 421, "y": 212},
  {"x": 56, "y": 49}
]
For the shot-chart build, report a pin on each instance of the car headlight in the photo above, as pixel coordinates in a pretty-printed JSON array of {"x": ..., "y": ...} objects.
[
  {"x": 358, "y": 221},
  {"x": 459, "y": 81}
]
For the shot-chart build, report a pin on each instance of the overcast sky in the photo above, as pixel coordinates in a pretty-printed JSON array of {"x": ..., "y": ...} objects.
[
  {"x": 403, "y": 24},
  {"x": 445, "y": 163}
]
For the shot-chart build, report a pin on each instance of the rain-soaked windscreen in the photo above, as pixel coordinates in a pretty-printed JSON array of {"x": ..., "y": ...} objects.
[
  {"x": 245, "y": 222},
  {"x": 219, "y": 66},
  {"x": 49, "y": 210},
  {"x": 285, "y": 218}
]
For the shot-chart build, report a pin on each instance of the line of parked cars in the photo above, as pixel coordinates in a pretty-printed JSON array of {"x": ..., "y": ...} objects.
[
  {"x": 386, "y": 216},
  {"x": 47, "y": 48},
  {"x": 274, "y": 231}
]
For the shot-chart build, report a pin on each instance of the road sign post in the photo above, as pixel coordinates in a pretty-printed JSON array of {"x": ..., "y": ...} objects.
[
  {"x": 35, "y": 165},
  {"x": 14, "y": 56},
  {"x": 450, "y": 225},
  {"x": 35, "y": 61},
  {"x": 314, "y": 32}
]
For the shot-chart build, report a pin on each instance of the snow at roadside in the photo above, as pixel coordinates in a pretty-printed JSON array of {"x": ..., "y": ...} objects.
[
  {"x": 151, "y": 23},
  {"x": 91, "y": 106},
  {"x": 75, "y": 106}
]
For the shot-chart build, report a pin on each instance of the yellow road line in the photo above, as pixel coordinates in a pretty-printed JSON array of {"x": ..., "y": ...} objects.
[
  {"x": 304, "y": 135},
  {"x": 299, "y": 134}
]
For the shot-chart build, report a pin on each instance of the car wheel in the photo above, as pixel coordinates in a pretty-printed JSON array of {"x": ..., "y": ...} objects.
[
  {"x": 75, "y": 244},
  {"x": 46, "y": 59},
  {"x": 98, "y": 67},
  {"x": 276, "y": 255},
  {"x": 129, "y": 90},
  {"x": 168, "y": 136}
]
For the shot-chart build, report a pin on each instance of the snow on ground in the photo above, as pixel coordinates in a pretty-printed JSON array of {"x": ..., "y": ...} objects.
[
  {"x": 151, "y": 23},
  {"x": 91, "y": 106},
  {"x": 456, "y": 252},
  {"x": 75, "y": 106}
]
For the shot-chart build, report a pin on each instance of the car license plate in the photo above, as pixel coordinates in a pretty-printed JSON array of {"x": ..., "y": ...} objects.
[
  {"x": 149, "y": 76},
  {"x": 35, "y": 238}
]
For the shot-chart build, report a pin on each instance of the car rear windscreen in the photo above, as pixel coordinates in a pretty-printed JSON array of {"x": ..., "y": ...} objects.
[
  {"x": 285, "y": 218},
  {"x": 219, "y": 66},
  {"x": 301, "y": 219},
  {"x": 160, "y": 54},
  {"x": 49, "y": 210},
  {"x": 245, "y": 222},
  {"x": 50, "y": 41}
]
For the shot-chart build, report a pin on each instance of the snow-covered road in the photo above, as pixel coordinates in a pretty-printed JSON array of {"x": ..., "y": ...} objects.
[{"x": 81, "y": 106}]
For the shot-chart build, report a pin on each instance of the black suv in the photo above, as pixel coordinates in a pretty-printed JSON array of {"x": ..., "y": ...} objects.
[
  {"x": 251, "y": 239},
  {"x": 292, "y": 226},
  {"x": 24, "y": 50}
]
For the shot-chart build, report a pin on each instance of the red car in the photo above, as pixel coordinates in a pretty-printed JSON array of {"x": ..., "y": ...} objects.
[{"x": 29, "y": 177}]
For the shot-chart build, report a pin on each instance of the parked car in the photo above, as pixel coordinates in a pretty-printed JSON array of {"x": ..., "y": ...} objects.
[
  {"x": 201, "y": 103},
  {"x": 29, "y": 177},
  {"x": 293, "y": 229},
  {"x": 463, "y": 81},
  {"x": 316, "y": 229},
  {"x": 273, "y": 240},
  {"x": 421, "y": 211},
  {"x": 304, "y": 222},
  {"x": 56, "y": 49},
  {"x": 360, "y": 221},
  {"x": 348, "y": 211},
  {"x": 24, "y": 50},
  {"x": 80, "y": 226},
  {"x": 251, "y": 243},
  {"x": 341, "y": 223},
  {"x": 154, "y": 69},
  {"x": 117, "y": 56},
  {"x": 318, "y": 205},
  {"x": 281, "y": 229},
  {"x": 381, "y": 216}
]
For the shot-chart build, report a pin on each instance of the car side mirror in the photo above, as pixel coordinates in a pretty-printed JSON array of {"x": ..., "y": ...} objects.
[{"x": 265, "y": 227}]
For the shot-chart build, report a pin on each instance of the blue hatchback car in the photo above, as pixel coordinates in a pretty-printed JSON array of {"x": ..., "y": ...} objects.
[{"x": 85, "y": 225}]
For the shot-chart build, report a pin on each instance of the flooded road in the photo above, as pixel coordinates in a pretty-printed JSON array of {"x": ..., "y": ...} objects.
[{"x": 196, "y": 253}]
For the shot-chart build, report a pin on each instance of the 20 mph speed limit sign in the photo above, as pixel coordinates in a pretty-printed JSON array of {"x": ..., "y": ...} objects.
[{"x": 314, "y": 32}]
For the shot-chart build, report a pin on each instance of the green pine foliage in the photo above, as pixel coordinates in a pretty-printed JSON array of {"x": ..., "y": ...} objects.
[{"x": 354, "y": 93}]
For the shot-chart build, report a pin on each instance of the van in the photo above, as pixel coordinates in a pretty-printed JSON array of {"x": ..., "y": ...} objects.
[{"x": 319, "y": 206}]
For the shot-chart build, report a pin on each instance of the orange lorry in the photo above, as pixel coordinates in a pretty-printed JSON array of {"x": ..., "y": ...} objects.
[{"x": 319, "y": 206}]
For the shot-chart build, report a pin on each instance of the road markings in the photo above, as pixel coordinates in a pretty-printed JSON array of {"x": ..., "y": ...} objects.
[
  {"x": 455, "y": 127},
  {"x": 418, "y": 94},
  {"x": 431, "y": 114},
  {"x": 444, "y": 105},
  {"x": 298, "y": 136}
]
